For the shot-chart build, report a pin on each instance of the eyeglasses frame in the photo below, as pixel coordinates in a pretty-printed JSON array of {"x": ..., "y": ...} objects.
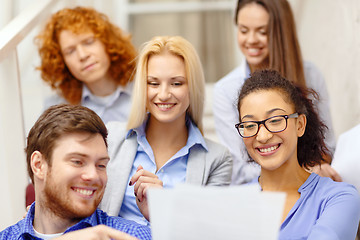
[{"x": 293, "y": 115}]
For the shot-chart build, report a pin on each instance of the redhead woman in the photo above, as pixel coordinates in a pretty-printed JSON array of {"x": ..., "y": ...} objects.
[
  {"x": 163, "y": 144},
  {"x": 283, "y": 134},
  {"x": 266, "y": 35}
]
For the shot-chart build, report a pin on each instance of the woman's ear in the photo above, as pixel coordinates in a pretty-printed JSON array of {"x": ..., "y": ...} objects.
[
  {"x": 301, "y": 125},
  {"x": 38, "y": 165}
]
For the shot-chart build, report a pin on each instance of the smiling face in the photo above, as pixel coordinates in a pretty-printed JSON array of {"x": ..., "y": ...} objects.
[
  {"x": 75, "y": 182},
  {"x": 85, "y": 56},
  {"x": 252, "y": 24},
  {"x": 167, "y": 88},
  {"x": 271, "y": 150}
]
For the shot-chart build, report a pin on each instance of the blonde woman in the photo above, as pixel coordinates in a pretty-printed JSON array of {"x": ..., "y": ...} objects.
[{"x": 163, "y": 144}]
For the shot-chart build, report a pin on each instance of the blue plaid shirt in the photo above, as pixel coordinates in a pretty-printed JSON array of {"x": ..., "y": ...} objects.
[{"x": 24, "y": 228}]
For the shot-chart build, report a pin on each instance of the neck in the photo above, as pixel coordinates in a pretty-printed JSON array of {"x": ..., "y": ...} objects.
[
  {"x": 166, "y": 133},
  {"x": 47, "y": 222},
  {"x": 102, "y": 87},
  {"x": 286, "y": 178},
  {"x": 262, "y": 65}
]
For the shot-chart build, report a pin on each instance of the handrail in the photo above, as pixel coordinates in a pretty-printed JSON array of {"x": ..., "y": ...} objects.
[
  {"x": 12, "y": 132},
  {"x": 15, "y": 31}
]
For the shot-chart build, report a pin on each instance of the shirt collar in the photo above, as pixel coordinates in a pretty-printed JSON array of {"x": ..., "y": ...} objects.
[
  {"x": 194, "y": 134},
  {"x": 87, "y": 94},
  {"x": 27, "y": 228}
]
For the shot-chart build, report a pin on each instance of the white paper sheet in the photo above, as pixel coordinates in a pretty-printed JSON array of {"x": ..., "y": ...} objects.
[{"x": 237, "y": 212}]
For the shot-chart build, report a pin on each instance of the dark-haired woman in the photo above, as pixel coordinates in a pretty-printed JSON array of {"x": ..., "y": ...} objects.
[
  {"x": 283, "y": 134},
  {"x": 267, "y": 38}
]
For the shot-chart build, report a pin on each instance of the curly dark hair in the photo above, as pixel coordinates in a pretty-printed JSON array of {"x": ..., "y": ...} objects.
[
  {"x": 311, "y": 147},
  {"x": 53, "y": 69}
]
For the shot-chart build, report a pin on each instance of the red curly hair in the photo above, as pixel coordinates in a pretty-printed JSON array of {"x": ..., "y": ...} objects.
[{"x": 53, "y": 69}]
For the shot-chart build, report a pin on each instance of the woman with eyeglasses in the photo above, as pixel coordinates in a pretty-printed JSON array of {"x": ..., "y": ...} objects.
[
  {"x": 283, "y": 134},
  {"x": 163, "y": 144},
  {"x": 266, "y": 35}
]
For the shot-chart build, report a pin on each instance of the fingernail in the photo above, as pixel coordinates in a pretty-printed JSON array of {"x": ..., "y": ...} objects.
[
  {"x": 139, "y": 200},
  {"x": 135, "y": 194},
  {"x": 130, "y": 183}
]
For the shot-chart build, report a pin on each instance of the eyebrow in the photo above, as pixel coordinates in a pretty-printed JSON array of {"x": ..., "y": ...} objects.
[
  {"x": 267, "y": 113},
  {"x": 81, "y": 41},
  {"x": 77, "y": 154},
  {"x": 173, "y": 78},
  {"x": 262, "y": 26}
]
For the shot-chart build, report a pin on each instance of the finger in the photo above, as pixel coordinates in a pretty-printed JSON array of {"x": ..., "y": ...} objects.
[
  {"x": 335, "y": 175},
  {"x": 143, "y": 182},
  {"x": 140, "y": 172},
  {"x": 118, "y": 235},
  {"x": 329, "y": 171},
  {"x": 106, "y": 232},
  {"x": 147, "y": 179},
  {"x": 144, "y": 189}
]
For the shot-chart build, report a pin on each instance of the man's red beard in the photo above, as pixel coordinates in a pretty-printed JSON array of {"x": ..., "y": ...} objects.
[{"x": 56, "y": 201}]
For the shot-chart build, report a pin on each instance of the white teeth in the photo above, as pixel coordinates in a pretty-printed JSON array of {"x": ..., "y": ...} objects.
[
  {"x": 265, "y": 150},
  {"x": 164, "y": 106},
  {"x": 253, "y": 50},
  {"x": 84, "y": 191}
]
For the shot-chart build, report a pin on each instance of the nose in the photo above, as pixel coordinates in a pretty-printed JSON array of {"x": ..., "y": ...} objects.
[
  {"x": 82, "y": 53},
  {"x": 252, "y": 37},
  {"x": 263, "y": 134},
  {"x": 164, "y": 92},
  {"x": 90, "y": 173}
]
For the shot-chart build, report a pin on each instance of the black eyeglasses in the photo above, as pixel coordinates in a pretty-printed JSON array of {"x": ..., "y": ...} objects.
[{"x": 273, "y": 124}]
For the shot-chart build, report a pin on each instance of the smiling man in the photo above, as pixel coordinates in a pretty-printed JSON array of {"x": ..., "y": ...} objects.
[{"x": 66, "y": 159}]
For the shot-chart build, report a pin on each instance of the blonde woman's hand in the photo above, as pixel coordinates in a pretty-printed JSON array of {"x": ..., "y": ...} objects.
[{"x": 142, "y": 181}]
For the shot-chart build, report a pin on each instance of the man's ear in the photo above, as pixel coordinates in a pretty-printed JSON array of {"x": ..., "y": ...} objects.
[
  {"x": 301, "y": 125},
  {"x": 38, "y": 164}
]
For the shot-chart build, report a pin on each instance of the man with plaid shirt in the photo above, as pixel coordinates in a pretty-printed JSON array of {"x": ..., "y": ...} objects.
[{"x": 67, "y": 158}]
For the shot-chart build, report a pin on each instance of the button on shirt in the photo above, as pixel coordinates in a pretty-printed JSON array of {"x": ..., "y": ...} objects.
[
  {"x": 115, "y": 107},
  {"x": 171, "y": 173},
  {"x": 24, "y": 228}
]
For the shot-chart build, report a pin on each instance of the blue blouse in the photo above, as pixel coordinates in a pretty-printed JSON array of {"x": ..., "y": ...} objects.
[
  {"x": 325, "y": 210},
  {"x": 171, "y": 173}
]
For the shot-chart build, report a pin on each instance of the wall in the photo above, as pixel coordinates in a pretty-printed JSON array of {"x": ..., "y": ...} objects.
[{"x": 329, "y": 33}]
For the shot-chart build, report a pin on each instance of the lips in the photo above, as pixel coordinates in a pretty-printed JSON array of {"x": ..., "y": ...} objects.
[
  {"x": 253, "y": 52},
  {"x": 165, "y": 106},
  {"x": 84, "y": 192},
  {"x": 267, "y": 150},
  {"x": 88, "y": 67}
]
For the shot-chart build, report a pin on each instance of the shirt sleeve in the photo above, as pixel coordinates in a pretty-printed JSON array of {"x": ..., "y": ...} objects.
[
  {"x": 142, "y": 233},
  {"x": 316, "y": 81},
  {"x": 220, "y": 172},
  {"x": 339, "y": 219},
  {"x": 225, "y": 117}
]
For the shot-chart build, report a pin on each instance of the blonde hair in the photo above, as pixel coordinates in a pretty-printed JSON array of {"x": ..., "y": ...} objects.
[{"x": 194, "y": 74}]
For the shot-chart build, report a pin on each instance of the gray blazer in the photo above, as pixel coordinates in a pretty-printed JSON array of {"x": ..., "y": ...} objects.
[{"x": 212, "y": 167}]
